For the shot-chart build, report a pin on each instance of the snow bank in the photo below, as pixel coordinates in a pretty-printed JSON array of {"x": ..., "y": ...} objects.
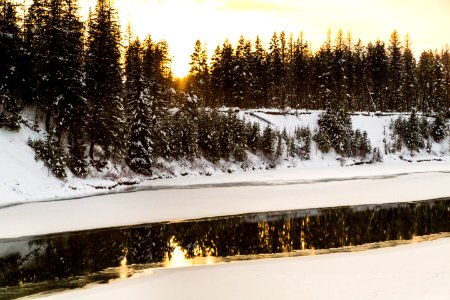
[
  {"x": 22, "y": 179},
  {"x": 417, "y": 271},
  {"x": 194, "y": 198}
]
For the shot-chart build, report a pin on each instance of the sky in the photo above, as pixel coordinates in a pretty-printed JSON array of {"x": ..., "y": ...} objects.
[{"x": 182, "y": 22}]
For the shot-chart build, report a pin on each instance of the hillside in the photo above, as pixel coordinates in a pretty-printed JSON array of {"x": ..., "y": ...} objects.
[{"x": 23, "y": 179}]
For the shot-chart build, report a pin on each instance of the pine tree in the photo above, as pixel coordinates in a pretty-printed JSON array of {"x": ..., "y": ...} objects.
[
  {"x": 155, "y": 69},
  {"x": 198, "y": 80},
  {"x": 104, "y": 82},
  {"x": 35, "y": 44},
  {"x": 395, "y": 72},
  {"x": 259, "y": 90},
  {"x": 408, "y": 84},
  {"x": 377, "y": 68},
  {"x": 338, "y": 76},
  {"x": 324, "y": 74},
  {"x": 302, "y": 68},
  {"x": 425, "y": 78},
  {"x": 267, "y": 142},
  {"x": 439, "y": 85},
  {"x": 140, "y": 152},
  {"x": 275, "y": 73},
  {"x": 70, "y": 107},
  {"x": 439, "y": 129},
  {"x": 10, "y": 65},
  {"x": 360, "y": 95}
]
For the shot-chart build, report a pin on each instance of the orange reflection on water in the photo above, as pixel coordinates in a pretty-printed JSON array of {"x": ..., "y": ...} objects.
[{"x": 177, "y": 258}]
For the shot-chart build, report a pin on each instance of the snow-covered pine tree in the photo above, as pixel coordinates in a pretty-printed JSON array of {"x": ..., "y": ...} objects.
[
  {"x": 439, "y": 85},
  {"x": 361, "y": 97},
  {"x": 35, "y": 22},
  {"x": 377, "y": 68},
  {"x": 301, "y": 70},
  {"x": 210, "y": 136},
  {"x": 408, "y": 84},
  {"x": 323, "y": 74},
  {"x": 253, "y": 136},
  {"x": 10, "y": 66},
  {"x": 394, "y": 72},
  {"x": 242, "y": 73},
  {"x": 338, "y": 68},
  {"x": 199, "y": 77},
  {"x": 156, "y": 70},
  {"x": 275, "y": 73},
  {"x": 70, "y": 105},
  {"x": 140, "y": 152},
  {"x": 267, "y": 142},
  {"x": 350, "y": 78},
  {"x": 258, "y": 91},
  {"x": 439, "y": 130},
  {"x": 425, "y": 78},
  {"x": 413, "y": 139},
  {"x": 104, "y": 82}
]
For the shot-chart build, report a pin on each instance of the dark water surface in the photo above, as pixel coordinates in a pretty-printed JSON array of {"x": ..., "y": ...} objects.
[{"x": 71, "y": 260}]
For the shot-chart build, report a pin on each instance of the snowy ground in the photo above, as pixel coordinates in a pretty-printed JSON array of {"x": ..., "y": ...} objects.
[
  {"x": 188, "y": 198},
  {"x": 412, "y": 272},
  {"x": 22, "y": 179},
  {"x": 320, "y": 182},
  {"x": 416, "y": 271}
]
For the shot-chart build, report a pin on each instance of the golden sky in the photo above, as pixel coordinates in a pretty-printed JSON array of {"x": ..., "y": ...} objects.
[{"x": 181, "y": 22}]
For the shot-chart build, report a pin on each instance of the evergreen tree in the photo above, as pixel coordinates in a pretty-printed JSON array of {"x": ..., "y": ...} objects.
[
  {"x": 140, "y": 152},
  {"x": 395, "y": 72},
  {"x": 425, "y": 78},
  {"x": 338, "y": 68},
  {"x": 439, "y": 85},
  {"x": 324, "y": 75},
  {"x": 377, "y": 68},
  {"x": 408, "y": 84},
  {"x": 155, "y": 69},
  {"x": 104, "y": 82},
  {"x": 198, "y": 80},
  {"x": 259, "y": 93},
  {"x": 275, "y": 72},
  {"x": 267, "y": 142},
  {"x": 439, "y": 129},
  {"x": 10, "y": 65}
]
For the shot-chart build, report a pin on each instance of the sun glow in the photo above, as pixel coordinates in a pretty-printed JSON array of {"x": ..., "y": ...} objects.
[{"x": 182, "y": 22}]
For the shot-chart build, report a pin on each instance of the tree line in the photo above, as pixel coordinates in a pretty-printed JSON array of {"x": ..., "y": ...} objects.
[
  {"x": 100, "y": 100},
  {"x": 343, "y": 73}
]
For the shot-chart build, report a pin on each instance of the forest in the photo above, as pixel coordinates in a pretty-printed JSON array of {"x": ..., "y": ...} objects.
[{"x": 104, "y": 95}]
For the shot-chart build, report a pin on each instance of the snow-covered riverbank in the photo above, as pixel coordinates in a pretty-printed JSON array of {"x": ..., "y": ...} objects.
[
  {"x": 22, "y": 179},
  {"x": 261, "y": 191},
  {"x": 416, "y": 271}
]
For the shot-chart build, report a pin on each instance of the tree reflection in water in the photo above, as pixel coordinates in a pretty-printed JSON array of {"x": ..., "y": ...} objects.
[{"x": 71, "y": 255}]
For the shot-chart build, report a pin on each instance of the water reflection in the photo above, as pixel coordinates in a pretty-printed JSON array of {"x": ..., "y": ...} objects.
[
  {"x": 176, "y": 258},
  {"x": 57, "y": 260}
]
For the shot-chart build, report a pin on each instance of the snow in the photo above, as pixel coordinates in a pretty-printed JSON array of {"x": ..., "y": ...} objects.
[
  {"x": 415, "y": 271},
  {"x": 261, "y": 191},
  {"x": 295, "y": 184},
  {"x": 33, "y": 202},
  {"x": 22, "y": 179}
]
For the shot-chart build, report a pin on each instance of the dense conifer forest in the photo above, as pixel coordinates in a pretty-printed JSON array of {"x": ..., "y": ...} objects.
[{"x": 104, "y": 97}]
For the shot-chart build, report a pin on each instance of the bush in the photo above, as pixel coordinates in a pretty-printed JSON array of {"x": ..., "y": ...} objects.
[
  {"x": 410, "y": 133},
  {"x": 303, "y": 136},
  {"x": 335, "y": 131},
  {"x": 439, "y": 129},
  {"x": 52, "y": 154},
  {"x": 10, "y": 121}
]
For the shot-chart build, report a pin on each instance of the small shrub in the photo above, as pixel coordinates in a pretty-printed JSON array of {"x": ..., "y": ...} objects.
[{"x": 52, "y": 154}]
